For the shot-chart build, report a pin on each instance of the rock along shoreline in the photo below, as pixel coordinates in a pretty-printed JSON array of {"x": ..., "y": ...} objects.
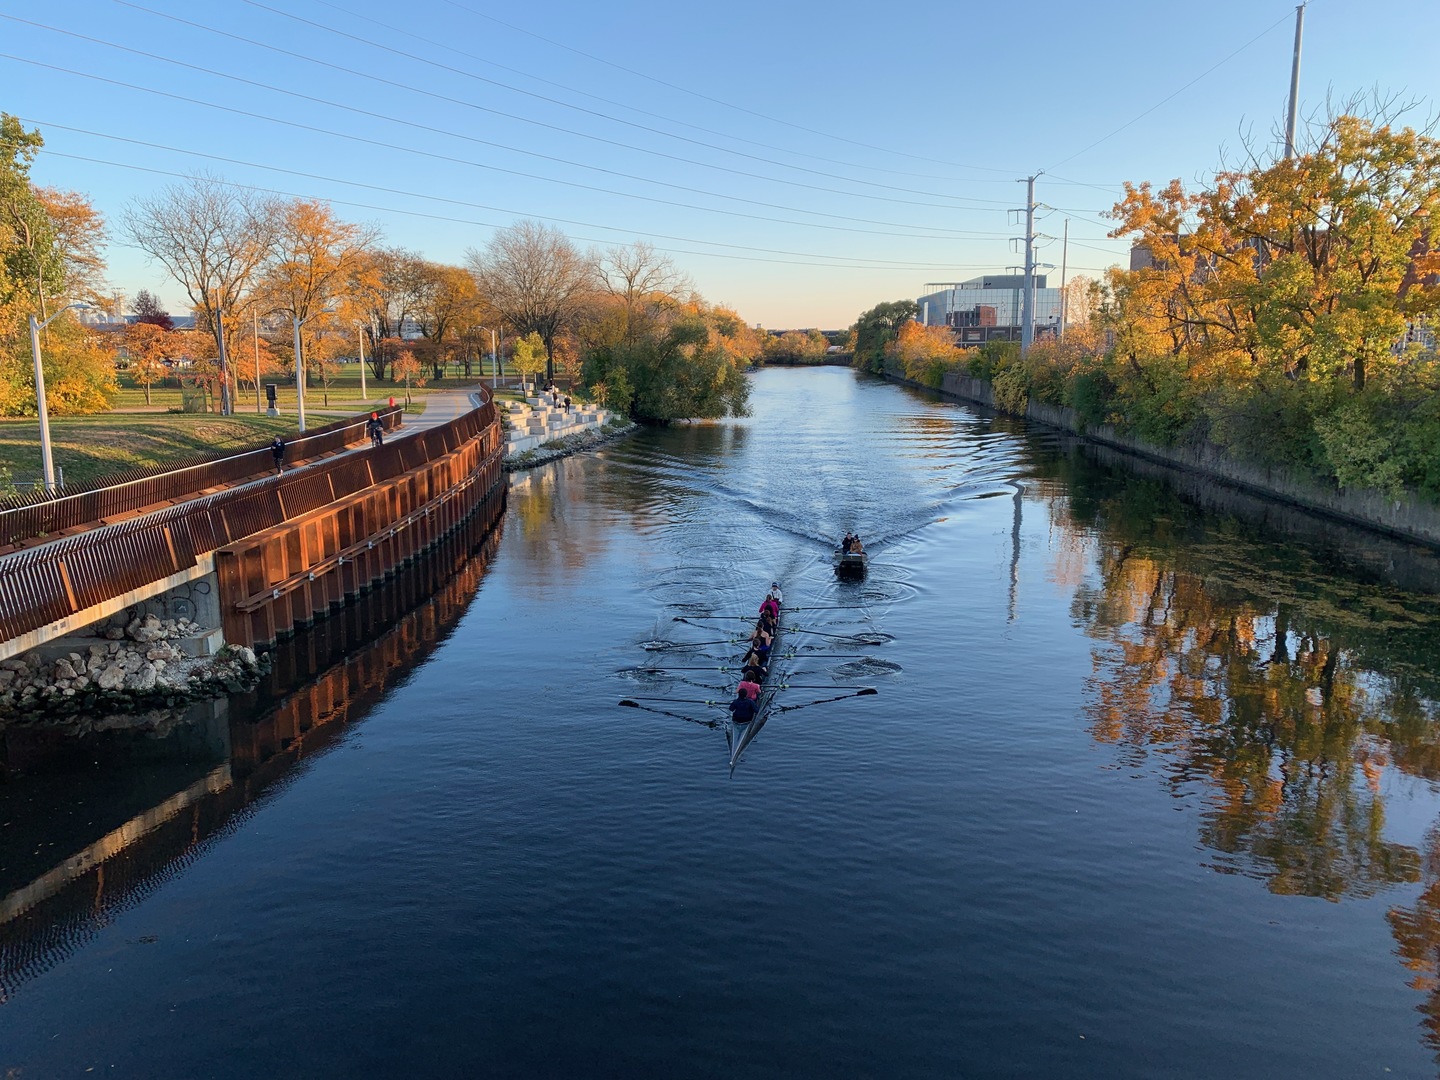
[
  {"x": 571, "y": 444},
  {"x": 111, "y": 682}
]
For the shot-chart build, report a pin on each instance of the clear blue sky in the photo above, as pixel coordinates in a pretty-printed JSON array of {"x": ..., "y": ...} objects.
[{"x": 801, "y": 161}]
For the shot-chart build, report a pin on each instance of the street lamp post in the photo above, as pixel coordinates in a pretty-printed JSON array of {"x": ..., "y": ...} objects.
[
  {"x": 300, "y": 361},
  {"x": 493, "y": 369},
  {"x": 299, "y": 372},
  {"x": 255, "y": 325},
  {"x": 46, "y": 456},
  {"x": 360, "y": 333},
  {"x": 225, "y": 409}
]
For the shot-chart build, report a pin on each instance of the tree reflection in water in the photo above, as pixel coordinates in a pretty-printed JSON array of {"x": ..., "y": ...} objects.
[{"x": 1251, "y": 674}]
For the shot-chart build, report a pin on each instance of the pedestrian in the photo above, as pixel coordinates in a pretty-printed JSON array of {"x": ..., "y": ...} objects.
[{"x": 277, "y": 451}]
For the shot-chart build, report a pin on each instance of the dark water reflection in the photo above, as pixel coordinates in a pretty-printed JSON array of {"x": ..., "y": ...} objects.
[{"x": 1149, "y": 789}]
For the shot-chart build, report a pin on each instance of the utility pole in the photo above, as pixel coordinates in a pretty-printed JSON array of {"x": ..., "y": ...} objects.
[
  {"x": 1064, "y": 296},
  {"x": 1027, "y": 300},
  {"x": 1294, "y": 85}
]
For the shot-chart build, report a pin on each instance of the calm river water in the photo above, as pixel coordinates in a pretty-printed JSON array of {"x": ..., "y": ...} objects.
[{"x": 1147, "y": 790}]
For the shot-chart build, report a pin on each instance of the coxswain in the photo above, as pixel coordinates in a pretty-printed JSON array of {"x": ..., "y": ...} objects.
[
  {"x": 776, "y": 593},
  {"x": 742, "y": 709}
]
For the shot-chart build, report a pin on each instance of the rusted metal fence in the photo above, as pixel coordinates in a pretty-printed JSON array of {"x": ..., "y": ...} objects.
[
  {"x": 28, "y": 516},
  {"x": 43, "y": 584}
]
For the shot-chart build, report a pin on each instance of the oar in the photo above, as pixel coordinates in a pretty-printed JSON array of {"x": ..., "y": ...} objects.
[
  {"x": 676, "y": 715},
  {"x": 840, "y": 607},
  {"x": 826, "y": 656},
  {"x": 691, "y": 644},
  {"x": 817, "y": 686},
  {"x": 662, "y": 670},
  {"x": 708, "y": 618},
  {"x": 821, "y": 633},
  {"x": 869, "y": 691},
  {"x": 630, "y": 704}
]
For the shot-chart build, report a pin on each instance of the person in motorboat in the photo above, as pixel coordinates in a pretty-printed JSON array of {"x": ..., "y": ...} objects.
[
  {"x": 846, "y": 544},
  {"x": 856, "y": 548},
  {"x": 742, "y": 709}
]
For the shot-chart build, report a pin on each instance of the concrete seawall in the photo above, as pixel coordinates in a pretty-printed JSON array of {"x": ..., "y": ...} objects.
[{"x": 1406, "y": 517}]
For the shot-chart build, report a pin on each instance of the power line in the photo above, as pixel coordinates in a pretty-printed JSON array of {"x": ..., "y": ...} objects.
[
  {"x": 476, "y": 57},
  {"x": 530, "y": 93},
  {"x": 718, "y": 101},
  {"x": 1177, "y": 93},
  {"x": 481, "y": 108},
  {"x": 479, "y": 164},
  {"x": 851, "y": 265}
]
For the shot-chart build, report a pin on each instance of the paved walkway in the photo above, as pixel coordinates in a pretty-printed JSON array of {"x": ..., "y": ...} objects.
[{"x": 440, "y": 409}]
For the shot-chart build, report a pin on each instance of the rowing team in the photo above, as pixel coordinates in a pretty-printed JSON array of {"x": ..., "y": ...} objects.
[{"x": 757, "y": 658}]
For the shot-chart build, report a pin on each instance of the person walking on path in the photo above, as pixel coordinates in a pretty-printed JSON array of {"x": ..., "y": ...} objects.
[{"x": 277, "y": 451}]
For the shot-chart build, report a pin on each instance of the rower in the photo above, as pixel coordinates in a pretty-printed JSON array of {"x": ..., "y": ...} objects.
[
  {"x": 749, "y": 687},
  {"x": 770, "y": 606},
  {"x": 742, "y": 709},
  {"x": 760, "y": 653}
]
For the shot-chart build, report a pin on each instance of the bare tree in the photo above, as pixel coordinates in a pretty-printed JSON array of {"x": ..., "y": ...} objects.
[
  {"x": 641, "y": 281},
  {"x": 213, "y": 238},
  {"x": 535, "y": 279}
]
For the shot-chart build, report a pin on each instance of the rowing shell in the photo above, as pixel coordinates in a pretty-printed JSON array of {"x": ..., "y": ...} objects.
[{"x": 740, "y": 735}]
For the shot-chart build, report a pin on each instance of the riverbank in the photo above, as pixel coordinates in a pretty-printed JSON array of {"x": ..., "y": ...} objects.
[
  {"x": 570, "y": 444},
  {"x": 1405, "y": 517},
  {"x": 121, "y": 678}
]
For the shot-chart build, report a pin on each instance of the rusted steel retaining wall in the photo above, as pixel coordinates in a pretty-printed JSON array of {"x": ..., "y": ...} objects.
[
  {"x": 71, "y": 579},
  {"x": 288, "y": 576},
  {"x": 35, "y": 516}
]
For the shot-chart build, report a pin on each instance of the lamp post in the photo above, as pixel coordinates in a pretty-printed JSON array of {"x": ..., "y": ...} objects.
[
  {"x": 493, "y": 368},
  {"x": 47, "y": 458},
  {"x": 225, "y": 409},
  {"x": 300, "y": 362},
  {"x": 360, "y": 333},
  {"x": 255, "y": 325}
]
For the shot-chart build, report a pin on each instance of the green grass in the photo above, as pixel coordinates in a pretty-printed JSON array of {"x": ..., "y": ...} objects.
[
  {"x": 89, "y": 447},
  {"x": 344, "y": 392}
]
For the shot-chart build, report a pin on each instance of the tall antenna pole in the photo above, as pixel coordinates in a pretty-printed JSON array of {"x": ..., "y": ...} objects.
[
  {"x": 1294, "y": 85},
  {"x": 1027, "y": 301},
  {"x": 1064, "y": 297}
]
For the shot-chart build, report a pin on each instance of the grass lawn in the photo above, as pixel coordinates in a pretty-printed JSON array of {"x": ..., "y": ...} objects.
[
  {"x": 343, "y": 392},
  {"x": 89, "y": 447}
]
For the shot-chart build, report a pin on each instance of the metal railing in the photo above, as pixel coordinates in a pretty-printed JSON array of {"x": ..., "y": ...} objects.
[
  {"x": 27, "y": 516},
  {"x": 42, "y": 584}
]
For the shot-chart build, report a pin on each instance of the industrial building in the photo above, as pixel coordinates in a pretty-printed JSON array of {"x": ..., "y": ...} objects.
[{"x": 988, "y": 308}]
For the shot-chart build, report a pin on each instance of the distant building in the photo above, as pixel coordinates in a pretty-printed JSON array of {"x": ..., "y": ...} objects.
[{"x": 988, "y": 308}]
